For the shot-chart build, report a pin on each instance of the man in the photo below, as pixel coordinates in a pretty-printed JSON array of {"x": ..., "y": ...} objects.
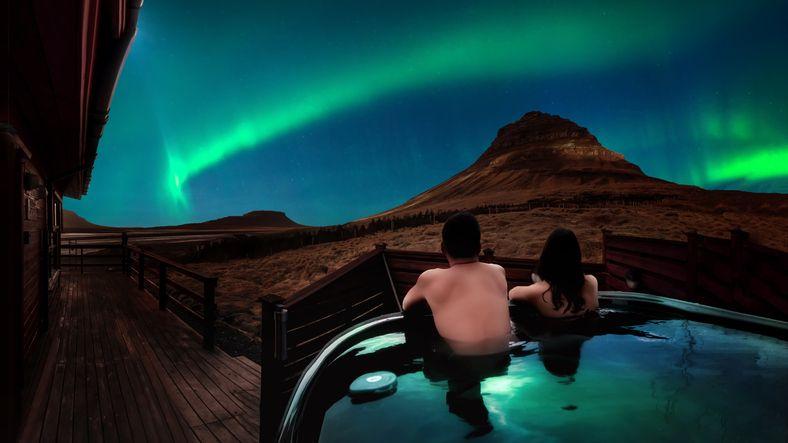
[{"x": 469, "y": 299}]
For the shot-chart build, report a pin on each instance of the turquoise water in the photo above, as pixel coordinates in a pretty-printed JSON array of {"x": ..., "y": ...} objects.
[{"x": 655, "y": 380}]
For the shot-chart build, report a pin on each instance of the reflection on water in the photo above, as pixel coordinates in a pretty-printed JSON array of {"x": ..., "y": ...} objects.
[
  {"x": 620, "y": 376},
  {"x": 464, "y": 375}
]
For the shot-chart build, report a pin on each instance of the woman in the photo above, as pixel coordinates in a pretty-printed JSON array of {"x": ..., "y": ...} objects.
[{"x": 560, "y": 289}]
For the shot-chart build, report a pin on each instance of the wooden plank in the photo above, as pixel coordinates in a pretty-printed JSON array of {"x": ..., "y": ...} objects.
[
  {"x": 174, "y": 421},
  {"x": 173, "y": 265},
  {"x": 125, "y": 302},
  {"x": 657, "y": 266},
  {"x": 410, "y": 265},
  {"x": 68, "y": 394},
  {"x": 777, "y": 301},
  {"x": 48, "y": 427},
  {"x": 365, "y": 261},
  {"x": 721, "y": 247},
  {"x": 248, "y": 363},
  {"x": 209, "y": 411},
  {"x": 115, "y": 412},
  {"x": 331, "y": 301},
  {"x": 80, "y": 404},
  {"x": 656, "y": 247},
  {"x": 106, "y": 423},
  {"x": 194, "y": 361},
  {"x": 135, "y": 394},
  {"x": 309, "y": 317}
]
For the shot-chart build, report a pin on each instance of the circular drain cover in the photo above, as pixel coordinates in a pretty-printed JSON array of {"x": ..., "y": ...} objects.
[{"x": 374, "y": 384}]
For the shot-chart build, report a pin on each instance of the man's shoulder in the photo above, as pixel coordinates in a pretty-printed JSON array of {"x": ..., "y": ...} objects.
[
  {"x": 495, "y": 268},
  {"x": 431, "y": 274}
]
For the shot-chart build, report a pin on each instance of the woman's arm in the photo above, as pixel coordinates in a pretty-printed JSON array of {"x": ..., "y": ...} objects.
[{"x": 592, "y": 297}]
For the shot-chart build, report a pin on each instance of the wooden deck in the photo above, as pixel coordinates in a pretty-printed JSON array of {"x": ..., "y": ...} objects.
[{"x": 119, "y": 369}]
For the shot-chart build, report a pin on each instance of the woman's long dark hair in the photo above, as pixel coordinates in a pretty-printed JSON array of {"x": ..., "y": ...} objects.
[{"x": 559, "y": 265}]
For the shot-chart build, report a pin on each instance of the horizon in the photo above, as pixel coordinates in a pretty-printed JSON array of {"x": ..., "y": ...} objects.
[{"x": 331, "y": 113}]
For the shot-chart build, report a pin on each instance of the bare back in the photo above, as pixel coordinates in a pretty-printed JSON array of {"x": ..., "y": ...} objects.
[
  {"x": 469, "y": 303},
  {"x": 540, "y": 297}
]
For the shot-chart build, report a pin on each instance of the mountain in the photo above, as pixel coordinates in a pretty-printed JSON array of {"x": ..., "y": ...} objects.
[
  {"x": 250, "y": 220},
  {"x": 544, "y": 156},
  {"x": 72, "y": 222}
]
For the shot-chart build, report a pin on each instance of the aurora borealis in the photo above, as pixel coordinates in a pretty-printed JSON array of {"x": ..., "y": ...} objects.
[{"x": 331, "y": 111}]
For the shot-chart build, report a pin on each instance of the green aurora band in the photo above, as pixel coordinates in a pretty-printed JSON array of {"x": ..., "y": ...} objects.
[
  {"x": 762, "y": 164},
  {"x": 530, "y": 42}
]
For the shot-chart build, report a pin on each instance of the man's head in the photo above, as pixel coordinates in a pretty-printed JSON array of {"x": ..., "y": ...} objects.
[{"x": 461, "y": 236}]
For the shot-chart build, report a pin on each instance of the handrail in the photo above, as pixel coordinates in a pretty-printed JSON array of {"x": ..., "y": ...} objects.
[
  {"x": 172, "y": 263},
  {"x": 325, "y": 281},
  {"x": 163, "y": 281}
]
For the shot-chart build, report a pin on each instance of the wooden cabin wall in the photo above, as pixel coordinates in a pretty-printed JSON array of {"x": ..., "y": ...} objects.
[
  {"x": 11, "y": 368},
  {"x": 30, "y": 215},
  {"x": 34, "y": 260}
]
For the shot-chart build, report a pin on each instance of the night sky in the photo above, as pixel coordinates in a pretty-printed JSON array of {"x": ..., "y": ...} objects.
[{"x": 338, "y": 109}]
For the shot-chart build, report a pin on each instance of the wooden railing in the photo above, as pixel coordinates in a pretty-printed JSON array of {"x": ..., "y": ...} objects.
[
  {"x": 154, "y": 274},
  {"x": 73, "y": 255},
  {"x": 734, "y": 273},
  {"x": 295, "y": 329}
]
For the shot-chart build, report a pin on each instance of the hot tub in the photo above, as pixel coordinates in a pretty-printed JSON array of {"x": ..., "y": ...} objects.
[{"x": 646, "y": 369}]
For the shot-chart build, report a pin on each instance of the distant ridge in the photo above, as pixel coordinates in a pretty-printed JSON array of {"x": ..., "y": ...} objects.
[
  {"x": 250, "y": 220},
  {"x": 253, "y": 220},
  {"x": 73, "y": 222}
]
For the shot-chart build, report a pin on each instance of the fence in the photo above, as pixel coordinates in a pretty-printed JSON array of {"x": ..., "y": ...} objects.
[
  {"x": 294, "y": 330},
  {"x": 733, "y": 273}
]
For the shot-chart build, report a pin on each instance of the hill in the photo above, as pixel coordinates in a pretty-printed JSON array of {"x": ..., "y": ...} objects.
[
  {"x": 72, "y": 222},
  {"x": 251, "y": 220}
]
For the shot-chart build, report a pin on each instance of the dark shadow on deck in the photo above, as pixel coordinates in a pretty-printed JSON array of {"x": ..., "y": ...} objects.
[{"x": 119, "y": 369}]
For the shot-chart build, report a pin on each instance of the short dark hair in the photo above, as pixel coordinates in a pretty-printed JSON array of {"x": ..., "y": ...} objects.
[{"x": 462, "y": 236}]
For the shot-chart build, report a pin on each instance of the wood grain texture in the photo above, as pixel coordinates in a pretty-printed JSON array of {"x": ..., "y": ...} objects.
[{"x": 120, "y": 369}]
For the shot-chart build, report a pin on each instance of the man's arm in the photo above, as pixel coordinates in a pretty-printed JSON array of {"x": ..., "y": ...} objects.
[{"x": 416, "y": 293}]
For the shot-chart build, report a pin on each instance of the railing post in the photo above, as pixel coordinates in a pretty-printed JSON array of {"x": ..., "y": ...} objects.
[
  {"x": 141, "y": 270},
  {"x": 209, "y": 313},
  {"x": 738, "y": 261},
  {"x": 81, "y": 260},
  {"x": 488, "y": 255},
  {"x": 692, "y": 266},
  {"x": 124, "y": 243},
  {"x": 162, "y": 286},
  {"x": 273, "y": 335}
]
